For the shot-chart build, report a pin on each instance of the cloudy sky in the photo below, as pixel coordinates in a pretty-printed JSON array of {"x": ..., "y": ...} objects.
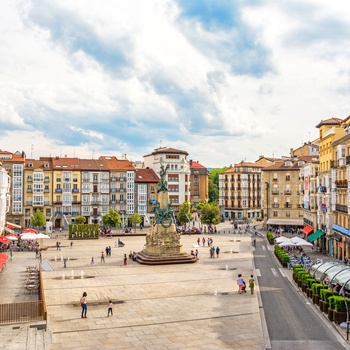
[{"x": 225, "y": 80}]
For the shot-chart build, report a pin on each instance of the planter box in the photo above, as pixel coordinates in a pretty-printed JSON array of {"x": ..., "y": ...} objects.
[
  {"x": 325, "y": 307},
  {"x": 295, "y": 278},
  {"x": 339, "y": 317},
  {"x": 317, "y": 299},
  {"x": 330, "y": 314},
  {"x": 309, "y": 293},
  {"x": 321, "y": 304},
  {"x": 299, "y": 283},
  {"x": 303, "y": 288}
]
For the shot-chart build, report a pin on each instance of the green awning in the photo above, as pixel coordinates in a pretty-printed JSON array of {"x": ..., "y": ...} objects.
[{"x": 316, "y": 235}]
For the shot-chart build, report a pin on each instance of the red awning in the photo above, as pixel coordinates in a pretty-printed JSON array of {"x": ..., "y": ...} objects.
[
  {"x": 4, "y": 240},
  {"x": 307, "y": 230}
]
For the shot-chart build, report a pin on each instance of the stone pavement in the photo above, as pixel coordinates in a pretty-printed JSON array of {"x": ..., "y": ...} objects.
[{"x": 186, "y": 306}]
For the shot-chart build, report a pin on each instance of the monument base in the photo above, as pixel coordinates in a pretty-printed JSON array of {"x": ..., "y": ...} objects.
[{"x": 148, "y": 258}]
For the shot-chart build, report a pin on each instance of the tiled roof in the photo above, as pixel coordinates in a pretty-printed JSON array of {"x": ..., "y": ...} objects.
[
  {"x": 65, "y": 163},
  {"x": 194, "y": 164},
  {"x": 32, "y": 164},
  {"x": 146, "y": 175},
  {"x": 113, "y": 163},
  {"x": 163, "y": 150},
  {"x": 330, "y": 121}
]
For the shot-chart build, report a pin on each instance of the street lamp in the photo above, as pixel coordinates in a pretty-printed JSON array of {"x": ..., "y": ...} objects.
[{"x": 267, "y": 201}]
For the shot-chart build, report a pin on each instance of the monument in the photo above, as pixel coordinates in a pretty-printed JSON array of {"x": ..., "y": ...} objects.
[{"x": 163, "y": 241}]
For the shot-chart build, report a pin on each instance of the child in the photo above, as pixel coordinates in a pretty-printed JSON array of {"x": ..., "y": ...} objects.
[
  {"x": 251, "y": 284},
  {"x": 110, "y": 308}
]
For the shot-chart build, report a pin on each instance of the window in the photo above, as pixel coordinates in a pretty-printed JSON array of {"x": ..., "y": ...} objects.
[
  {"x": 288, "y": 214},
  {"x": 38, "y": 200},
  {"x": 38, "y": 177},
  {"x": 275, "y": 214}
]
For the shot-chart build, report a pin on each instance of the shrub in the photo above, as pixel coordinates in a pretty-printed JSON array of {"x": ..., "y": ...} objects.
[
  {"x": 297, "y": 267},
  {"x": 340, "y": 303},
  {"x": 305, "y": 277},
  {"x": 270, "y": 237},
  {"x": 316, "y": 287},
  {"x": 326, "y": 293},
  {"x": 310, "y": 282}
]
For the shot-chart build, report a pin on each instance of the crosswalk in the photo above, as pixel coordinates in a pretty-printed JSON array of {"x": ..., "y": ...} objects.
[{"x": 279, "y": 272}]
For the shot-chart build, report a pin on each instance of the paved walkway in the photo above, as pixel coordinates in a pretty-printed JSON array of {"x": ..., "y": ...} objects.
[{"x": 187, "y": 306}]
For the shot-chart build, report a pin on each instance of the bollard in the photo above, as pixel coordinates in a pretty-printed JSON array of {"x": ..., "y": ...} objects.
[
  {"x": 226, "y": 267},
  {"x": 215, "y": 292}
]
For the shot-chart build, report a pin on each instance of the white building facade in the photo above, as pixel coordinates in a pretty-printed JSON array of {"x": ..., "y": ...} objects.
[{"x": 4, "y": 197}]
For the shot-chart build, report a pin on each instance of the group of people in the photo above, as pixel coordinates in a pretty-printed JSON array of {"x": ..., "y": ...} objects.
[
  {"x": 212, "y": 252},
  {"x": 242, "y": 286},
  {"x": 83, "y": 304},
  {"x": 132, "y": 255}
]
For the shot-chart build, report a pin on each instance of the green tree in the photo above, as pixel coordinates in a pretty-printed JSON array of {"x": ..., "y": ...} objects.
[
  {"x": 111, "y": 219},
  {"x": 185, "y": 216},
  {"x": 38, "y": 219},
  {"x": 210, "y": 214},
  {"x": 135, "y": 219},
  {"x": 79, "y": 219},
  {"x": 213, "y": 184}
]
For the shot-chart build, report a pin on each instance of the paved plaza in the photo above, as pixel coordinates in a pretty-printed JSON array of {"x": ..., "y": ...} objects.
[{"x": 185, "y": 306}]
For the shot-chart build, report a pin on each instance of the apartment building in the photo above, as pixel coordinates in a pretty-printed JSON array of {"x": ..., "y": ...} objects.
[
  {"x": 308, "y": 198},
  {"x": 146, "y": 194},
  {"x": 178, "y": 174},
  {"x": 121, "y": 185},
  {"x": 281, "y": 202},
  {"x": 38, "y": 188},
  {"x": 13, "y": 163},
  {"x": 4, "y": 197},
  {"x": 240, "y": 192},
  {"x": 307, "y": 149},
  {"x": 330, "y": 130},
  {"x": 339, "y": 239},
  {"x": 199, "y": 181}
]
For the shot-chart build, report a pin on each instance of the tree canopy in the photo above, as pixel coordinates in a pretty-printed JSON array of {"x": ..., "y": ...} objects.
[
  {"x": 135, "y": 219},
  {"x": 185, "y": 216},
  {"x": 213, "y": 184},
  {"x": 38, "y": 219},
  {"x": 111, "y": 219},
  {"x": 79, "y": 219},
  {"x": 210, "y": 214}
]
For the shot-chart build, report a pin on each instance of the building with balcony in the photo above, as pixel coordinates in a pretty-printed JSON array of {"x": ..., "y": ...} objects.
[
  {"x": 178, "y": 174},
  {"x": 4, "y": 197},
  {"x": 38, "y": 188},
  {"x": 146, "y": 181},
  {"x": 281, "y": 193},
  {"x": 330, "y": 131},
  {"x": 13, "y": 163},
  {"x": 121, "y": 185},
  {"x": 308, "y": 195},
  {"x": 199, "y": 180},
  {"x": 339, "y": 238},
  {"x": 240, "y": 192}
]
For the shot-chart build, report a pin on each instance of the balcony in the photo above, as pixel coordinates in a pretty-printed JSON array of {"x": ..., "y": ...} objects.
[
  {"x": 275, "y": 205},
  {"x": 75, "y": 180},
  {"x": 341, "y": 183},
  {"x": 58, "y": 213},
  {"x": 287, "y": 205},
  {"x": 29, "y": 190},
  {"x": 75, "y": 190},
  {"x": 341, "y": 208},
  {"x": 299, "y": 206},
  {"x": 275, "y": 179},
  {"x": 76, "y": 203},
  {"x": 59, "y": 202},
  {"x": 275, "y": 192},
  {"x": 47, "y": 179},
  {"x": 287, "y": 192},
  {"x": 75, "y": 213},
  {"x": 29, "y": 179},
  {"x": 58, "y": 190}
]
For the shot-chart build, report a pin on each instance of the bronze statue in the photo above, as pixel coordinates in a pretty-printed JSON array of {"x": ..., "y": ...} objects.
[{"x": 163, "y": 184}]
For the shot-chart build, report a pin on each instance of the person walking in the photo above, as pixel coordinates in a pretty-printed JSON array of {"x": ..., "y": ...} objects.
[
  {"x": 198, "y": 241},
  {"x": 203, "y": 241},
  {"x": 254, "y": 242},
  {"x": 217, "y": 252},
  {"x": 110, "y": 308},
  {"x": 11, "y": 254},
  {"x": 240, "y": 284},
  {"x": 83, "y": 305},
  {"x": 102, "y": 257},
  {"x": 251, "y": 284},
  {"x": 125, "y": 260}
]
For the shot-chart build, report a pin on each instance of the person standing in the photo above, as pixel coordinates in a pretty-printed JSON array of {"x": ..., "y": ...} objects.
[
  {"x": 92, "y": 261},
  {"x": 11, "y": 254},
  {"x": 217, "y": 252},
  {"x": 240, "y": 284},
  {"x": 102, "y": 257},
  {"x": 125, "y": 260},
  {"x": 203, "y": 241},
  {"x": 198, "y": 241},
  {"x": 251, "y": 284},
  {"x": 110, "y": 308},
  {"x": 83, "y": 305},
  {"x": 254, "y": 242}
]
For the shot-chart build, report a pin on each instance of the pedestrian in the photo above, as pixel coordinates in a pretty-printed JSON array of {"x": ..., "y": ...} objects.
[
  {"x": 60, "y": 229},
  {"x": 11, "y": 254},
  {"x": 92, "y": 261},
  {"x": 83, "y": 305},
  {"x": 125, "y": 260},
  {"x": 57, "y": 246},
  {"x": 251, "y": 284},
  {"x": 110, "y": 308},
  {"x": 217, "y": 252},
  {"x": 65, "y": 262},
  {"x": 196, "y": 253},
  {"x": 102, "y": 257},
  {"x": 211, "y": 253},
  {"x": 198, "y": 241},
  {"x": 203, "y": 241},
  {"x": 71, "y": 245},
  {"x": 254, "y": 242},
  {"x": 240, "y": 283}
]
